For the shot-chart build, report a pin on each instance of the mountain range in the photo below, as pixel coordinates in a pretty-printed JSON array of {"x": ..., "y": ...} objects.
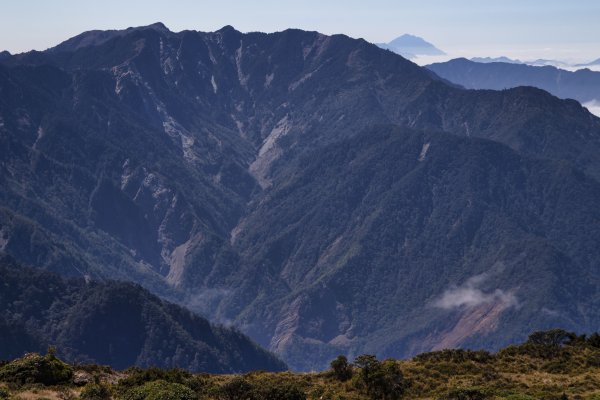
[
  {"x": 582, "y": 85},
  {"x": 495, "y": 59},
  {"x": 537, "y": 62},
  {"x": 322, "y": 194}
]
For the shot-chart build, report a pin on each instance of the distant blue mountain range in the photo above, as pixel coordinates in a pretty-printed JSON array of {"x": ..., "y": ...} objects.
[
  {"x": 592, "y": 63},
  {"x": 487, "y": 60},
  {"x": 582, "y": 85}
]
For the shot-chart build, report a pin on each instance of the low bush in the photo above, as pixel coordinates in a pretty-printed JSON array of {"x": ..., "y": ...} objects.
[
  {"x": 280, "y": 391},
  {"x": 593, "y": 361},
  {"x": 160, "y": 390},
  {"x": 34, "y": 368},
  {"x": 455, "y": 356},
  {"x": 466, "y": 394},
  {"x": 240, "y": 388},
  {"x": 95, "y": 391},
  {"x": 138, "y": 376},
  {"x": 520, "y": 397},
  {"x": 236, "y": 389}
]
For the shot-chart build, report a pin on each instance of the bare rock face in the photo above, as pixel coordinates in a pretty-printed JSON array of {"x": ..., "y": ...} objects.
[{"x": 316, "y": 191}]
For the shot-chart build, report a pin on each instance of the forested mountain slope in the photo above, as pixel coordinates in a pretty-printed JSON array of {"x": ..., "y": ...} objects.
[
  {"x": 257, "y": 179},
  {"x": 114, "y": 323}
]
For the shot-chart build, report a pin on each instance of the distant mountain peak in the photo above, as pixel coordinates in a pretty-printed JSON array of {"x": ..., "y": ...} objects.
[
  {"x": 227, "y": 28},
  {"x": 158, "y": 26},
  {"x": 410, "y": 40},
  {"x": 411, "y": 46}
]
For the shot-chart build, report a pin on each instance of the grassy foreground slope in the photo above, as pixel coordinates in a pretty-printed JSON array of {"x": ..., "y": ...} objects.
[{"x": 550, "y": 365}]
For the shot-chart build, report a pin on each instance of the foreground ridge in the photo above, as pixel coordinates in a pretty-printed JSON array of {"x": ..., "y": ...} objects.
[{"x": 553, "y": 364}]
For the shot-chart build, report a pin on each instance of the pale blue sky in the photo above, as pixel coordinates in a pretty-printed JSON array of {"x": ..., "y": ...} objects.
[{"x": 568, "y": 29}]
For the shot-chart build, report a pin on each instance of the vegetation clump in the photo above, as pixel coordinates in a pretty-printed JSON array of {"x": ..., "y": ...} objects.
[
  {"x": 237, "y": 388},
  {"x": 95, "y": 391},
  {"x": 466, "y": 394},
  {"x": 35, "y": 368},
  {"x": 380, "y": 380},
  {"x": 342, "y": 370},
  {"x": 455, "y": 355},
  {"x": 138, "y": 376},
  {"x": 160, "y": 390},
  {"x": 241, "y": 388}
]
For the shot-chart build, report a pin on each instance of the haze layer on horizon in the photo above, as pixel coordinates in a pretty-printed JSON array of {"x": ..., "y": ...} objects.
[{"x": 551, "y": 29}]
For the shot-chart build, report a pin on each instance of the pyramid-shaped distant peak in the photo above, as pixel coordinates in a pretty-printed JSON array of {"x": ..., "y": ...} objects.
[
  {"x": 158, "y": 26},
  {"x": 411, "y": 46}
]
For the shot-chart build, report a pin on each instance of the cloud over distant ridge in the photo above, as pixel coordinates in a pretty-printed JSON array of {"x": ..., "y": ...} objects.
[
  {"x": 593, "y": 106},
  {"x": 470, "y": 295}
]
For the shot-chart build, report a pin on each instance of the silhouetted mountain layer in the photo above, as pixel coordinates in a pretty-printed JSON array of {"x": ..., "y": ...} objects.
[
  {"x": 582, "y": 85},
  {"x": 241, "y": 175},
  {"x": 496, "y": 59},
  {"x": 114, "y": 323},
  {"x": 590, "y": 64}
]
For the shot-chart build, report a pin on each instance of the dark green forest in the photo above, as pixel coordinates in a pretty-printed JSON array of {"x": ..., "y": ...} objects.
[{"x": 114, "y": 323}]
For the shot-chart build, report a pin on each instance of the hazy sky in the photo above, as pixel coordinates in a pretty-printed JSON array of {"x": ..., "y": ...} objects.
[{"x": 561, "y": 29}]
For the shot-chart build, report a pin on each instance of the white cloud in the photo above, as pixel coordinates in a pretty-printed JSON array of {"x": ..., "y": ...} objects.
[
  {"x": 593, "y": 106},
  {"x": 470, "y": 295}
]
